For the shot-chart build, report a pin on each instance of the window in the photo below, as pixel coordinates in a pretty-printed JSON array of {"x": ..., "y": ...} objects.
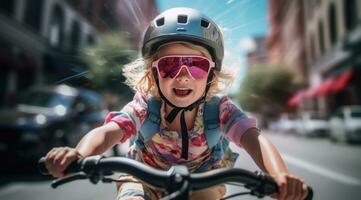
[
  {"x": 333, "y": 23},
  {"x": 312, "y": 50},
  {"x": 107, "y": 16},
  {"x": 33, "y": 13},
  {"x": 321, "y": 38},
  {"x": 75, "y": 37},
  {"x": 90, "y": 8},
  {"x": 350, "y": 12},
  {"x": 73, "y": 3},
  {"x": 7, "y": 6},
  {"x": 56, "y": 27},
  {"x": 90, "y": 39}
]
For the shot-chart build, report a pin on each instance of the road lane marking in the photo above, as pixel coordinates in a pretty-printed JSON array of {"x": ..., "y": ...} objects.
[{"x": 321, "y": 170}]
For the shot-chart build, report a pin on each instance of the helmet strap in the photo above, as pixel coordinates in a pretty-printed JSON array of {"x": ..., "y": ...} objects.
[{"x": 174, "y": 112}]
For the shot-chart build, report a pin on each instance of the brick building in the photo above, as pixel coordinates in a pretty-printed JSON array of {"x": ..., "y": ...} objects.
[{"x": 40, "y": 39}]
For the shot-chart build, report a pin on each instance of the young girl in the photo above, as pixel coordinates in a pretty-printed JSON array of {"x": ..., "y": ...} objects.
[{"x": 176, "y": 83}]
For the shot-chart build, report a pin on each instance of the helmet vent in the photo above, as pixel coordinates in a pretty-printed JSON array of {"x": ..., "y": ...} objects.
[
  {"x": 160, "y": 21},
  {"x": 182, "y": 19},
  {"x": 204, "y": 23}
]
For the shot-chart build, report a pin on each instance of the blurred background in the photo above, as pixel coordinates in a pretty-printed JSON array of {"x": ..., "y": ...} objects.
[{"x": 296, "y": 63}]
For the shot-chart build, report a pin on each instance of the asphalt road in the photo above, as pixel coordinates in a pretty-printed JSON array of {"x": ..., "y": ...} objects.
[{"x": 333, "y": 170}]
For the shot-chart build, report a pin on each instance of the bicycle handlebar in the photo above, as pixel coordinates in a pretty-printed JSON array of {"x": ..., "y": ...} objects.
[{"x": 260, "y": 184}]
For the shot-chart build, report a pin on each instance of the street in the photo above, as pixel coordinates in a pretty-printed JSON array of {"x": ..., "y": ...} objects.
[{"x": 331, "y": 169}]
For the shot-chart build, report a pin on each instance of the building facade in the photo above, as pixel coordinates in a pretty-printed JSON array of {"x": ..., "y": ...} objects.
[
  {"x": 285, "y": 41},
  {"x": 323, "y": 40},
  {"x": 40, "y": 39},
  {"x": 333, "y": 43},
  {"x": 259, "y": 55}
]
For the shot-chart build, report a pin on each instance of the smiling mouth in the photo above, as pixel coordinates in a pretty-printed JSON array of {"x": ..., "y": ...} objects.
[{"x": 182, "y": 92}]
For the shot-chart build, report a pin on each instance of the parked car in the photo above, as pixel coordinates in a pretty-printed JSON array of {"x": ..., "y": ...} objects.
[
  {"x": 46, "y": 117},
  {"x": 287, "y": 123},
  {"x": 345, "y": 124},
  {"x": 312, "y": 124}
]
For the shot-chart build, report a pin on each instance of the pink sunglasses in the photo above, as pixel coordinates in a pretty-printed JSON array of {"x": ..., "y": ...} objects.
[{"x": 170, "y": 66}]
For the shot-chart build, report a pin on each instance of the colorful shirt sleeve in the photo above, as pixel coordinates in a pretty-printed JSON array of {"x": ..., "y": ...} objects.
[
  {"x": 131, "y": 117},
  {"x": 234, "y": 122}
]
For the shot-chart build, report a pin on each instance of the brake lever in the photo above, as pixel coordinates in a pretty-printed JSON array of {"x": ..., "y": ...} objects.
[
  {"x": 69, "y": 178},
  {"x": 260, "y": 190}
]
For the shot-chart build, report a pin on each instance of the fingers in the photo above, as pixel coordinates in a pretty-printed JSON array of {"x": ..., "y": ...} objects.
[
  {"x": 68, "y": 158},
  {"x": 297, "y": 189},
  {"x": 290, "y": 187},
  {"x": 49, "y": 161},
  {"x": 282, "y": 187},
  {"x": 58, "y": 159},
  {"x": 304, "y": 191}
]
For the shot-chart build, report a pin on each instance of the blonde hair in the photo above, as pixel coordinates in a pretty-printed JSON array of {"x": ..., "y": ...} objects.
[{"x": 139, "y": 75}]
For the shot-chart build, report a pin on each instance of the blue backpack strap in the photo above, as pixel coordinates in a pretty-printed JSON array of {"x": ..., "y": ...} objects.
[
  {"x": 151, "y": 124},
  {"x": 212, "y": 128}
]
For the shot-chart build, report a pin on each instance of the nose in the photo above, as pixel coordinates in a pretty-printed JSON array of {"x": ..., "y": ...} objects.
[{"x": 183, "y": 74}]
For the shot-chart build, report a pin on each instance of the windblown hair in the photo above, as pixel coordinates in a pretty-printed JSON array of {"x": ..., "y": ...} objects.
[{"x": 139, "y": 75}]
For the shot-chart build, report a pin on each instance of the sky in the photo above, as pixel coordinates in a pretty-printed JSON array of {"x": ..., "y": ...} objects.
[{"x": 240, "y": 20}]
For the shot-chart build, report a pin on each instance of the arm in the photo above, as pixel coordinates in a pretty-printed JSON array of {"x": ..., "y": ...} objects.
[
  {"x": 95, "y": 142},
  {"x": 263, "y": 152},
  {"x": 99, "y": 139},
  {"x": 118, "y": 127},
  {"x": 269, "y": 160}
]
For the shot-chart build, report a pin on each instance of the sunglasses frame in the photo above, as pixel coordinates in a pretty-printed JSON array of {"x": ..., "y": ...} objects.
[{"x": 211, "y": 64}]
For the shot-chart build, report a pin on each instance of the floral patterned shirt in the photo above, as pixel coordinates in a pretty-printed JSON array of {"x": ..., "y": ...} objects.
[{"x": 165, "y": 147}]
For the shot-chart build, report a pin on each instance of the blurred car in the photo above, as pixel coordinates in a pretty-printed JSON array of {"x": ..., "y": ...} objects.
[
  {"x": 345, "y": 124},
  {"x": 287, "y": 124},
  {"x": 312, "y": 124},
  {"x": 46, "y": 117}
]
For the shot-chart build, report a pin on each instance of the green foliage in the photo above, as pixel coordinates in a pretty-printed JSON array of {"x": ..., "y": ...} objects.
[
  {"x": 266, "y": 89},
  {"x": 105, "y": 61}
]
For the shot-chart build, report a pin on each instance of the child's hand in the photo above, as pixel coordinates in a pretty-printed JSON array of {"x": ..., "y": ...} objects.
[
  {"x": 58, "y": 159},
  {"x": 290, "y": 187}
]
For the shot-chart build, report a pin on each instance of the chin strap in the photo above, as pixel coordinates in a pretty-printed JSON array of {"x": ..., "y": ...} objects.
[{"x": 171, "y": 116}]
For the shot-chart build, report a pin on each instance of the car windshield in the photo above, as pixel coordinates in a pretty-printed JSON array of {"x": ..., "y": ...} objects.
[
  {"x": 356, "y": 113},
  {"x": 45, "y": 99},
  {"x": 317, "y": 116}
]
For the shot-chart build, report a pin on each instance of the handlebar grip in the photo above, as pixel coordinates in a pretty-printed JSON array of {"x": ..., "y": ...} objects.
[
  {"x": 310, "y": 193},
  {"x": 41, "y": 167},
  {"x": 72, "y": 168},
  {"x": 271, "y": 182}
]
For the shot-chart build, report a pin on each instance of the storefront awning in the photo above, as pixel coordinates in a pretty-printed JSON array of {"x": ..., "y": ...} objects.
[
  {"x": 325, "y": 88},
  {"x": 330, "y": 85},
  {"x": 296, "y": 99},
  {"x": 342, "y": 81}
]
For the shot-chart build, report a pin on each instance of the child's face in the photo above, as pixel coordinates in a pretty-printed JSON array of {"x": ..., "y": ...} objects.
[{"x": 181, "y": 90}]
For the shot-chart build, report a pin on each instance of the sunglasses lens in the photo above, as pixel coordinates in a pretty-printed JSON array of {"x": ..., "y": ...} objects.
[
  {"x": 170, "y": 66},
  {"x": 199, "y": 67}
]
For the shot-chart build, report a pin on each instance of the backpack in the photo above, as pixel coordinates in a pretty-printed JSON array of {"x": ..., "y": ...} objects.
[{"x": 212, "y": 131}]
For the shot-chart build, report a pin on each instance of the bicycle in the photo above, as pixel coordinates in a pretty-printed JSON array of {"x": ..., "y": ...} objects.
[{"x": 177, "y": 181}]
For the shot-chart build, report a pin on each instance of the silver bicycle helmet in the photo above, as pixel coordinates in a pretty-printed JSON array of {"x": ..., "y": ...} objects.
[{"x": 188, "y": 25}]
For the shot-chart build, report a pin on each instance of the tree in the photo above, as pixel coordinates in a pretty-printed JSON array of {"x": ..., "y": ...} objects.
[
  {"x": 266, "y": 90},
  {"x": 105, "y": 61}
]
